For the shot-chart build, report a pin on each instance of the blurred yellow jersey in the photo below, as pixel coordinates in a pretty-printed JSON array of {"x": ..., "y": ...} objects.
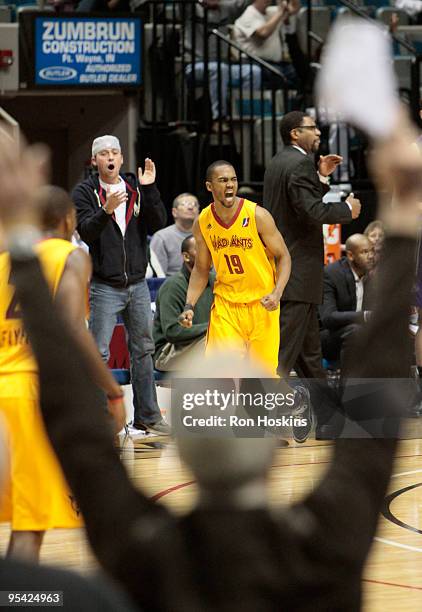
[
  {"x": 245, "y": 273},
  {"x": 15, "y": 353}
]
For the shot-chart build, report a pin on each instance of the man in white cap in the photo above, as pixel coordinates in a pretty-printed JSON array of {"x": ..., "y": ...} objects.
[{"x": 115, "y": 214}]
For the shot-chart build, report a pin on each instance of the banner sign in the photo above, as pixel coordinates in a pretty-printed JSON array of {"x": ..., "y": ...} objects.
[{"x": 87, "y": 51}]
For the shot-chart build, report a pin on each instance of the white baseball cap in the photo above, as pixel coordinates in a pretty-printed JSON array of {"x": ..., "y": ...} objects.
[{"x": 105, "y": 142}]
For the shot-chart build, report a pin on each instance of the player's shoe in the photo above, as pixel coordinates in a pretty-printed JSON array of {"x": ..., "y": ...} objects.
[
  {"x": 302, "y": 412},
  {"x": 160, "y": 428}
]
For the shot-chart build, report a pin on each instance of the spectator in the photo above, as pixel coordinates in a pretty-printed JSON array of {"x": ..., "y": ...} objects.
[
  {"x": 115, "y": 213},
  {"x": 293, "y": 192},
  {"x": 166, "y": 243},
  {"x": 259, "y": 31},
  {"x": 343, "y": 308},
  {"x": 231, "y": 551},
  {"x": 174, "y": 343},
  {"x": 220, "y": 14},
  {"x": 375, "y": 234}
]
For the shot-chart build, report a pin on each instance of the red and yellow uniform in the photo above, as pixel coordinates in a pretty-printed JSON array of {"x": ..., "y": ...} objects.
[
  {"x": 245, "y": 274},
  {"x": 38, "y": 497}
]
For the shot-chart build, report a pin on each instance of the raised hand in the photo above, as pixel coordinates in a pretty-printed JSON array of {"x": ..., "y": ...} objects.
[
  {"x": 148, "y": 176},
  {"x": 23, "y": 170},
  {"x": 328, "y": 163},
  {"x": 294, "y": 7},
  {"x": 396, "y": 166}
]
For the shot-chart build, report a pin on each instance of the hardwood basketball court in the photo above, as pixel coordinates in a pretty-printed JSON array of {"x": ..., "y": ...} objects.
[{"x": 393, "y": 576}]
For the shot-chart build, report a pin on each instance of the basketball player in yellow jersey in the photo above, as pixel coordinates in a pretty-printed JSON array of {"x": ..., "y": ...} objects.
[
  {"x": 252, "y": 265},
  {"x": 38, "y": 497}
]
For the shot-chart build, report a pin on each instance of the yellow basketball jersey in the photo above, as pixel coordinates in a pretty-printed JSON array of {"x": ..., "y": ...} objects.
[
  {"x": 245, "y": 273},
  {"x": 15, "y": 353}
]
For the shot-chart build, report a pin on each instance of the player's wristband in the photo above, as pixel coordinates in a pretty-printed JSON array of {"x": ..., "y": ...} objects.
[
  {"x": 187, "y": 307},
  {"x": 115, "y": 398}
]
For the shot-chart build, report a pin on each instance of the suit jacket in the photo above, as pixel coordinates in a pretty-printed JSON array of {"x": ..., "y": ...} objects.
[
  {"x": 339, "y": 303},
  {"x": 293, "y": 194}
]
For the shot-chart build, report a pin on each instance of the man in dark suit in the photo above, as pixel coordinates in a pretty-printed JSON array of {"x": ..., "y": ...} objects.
[
  {"x": 344, "y": 306},
  {"x": 293, "y": 192}
]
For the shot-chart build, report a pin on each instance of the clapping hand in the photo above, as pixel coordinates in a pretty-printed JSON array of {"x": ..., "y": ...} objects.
[
  {"x": 148, "y": 176},
  {"x": 114, "y": 200},
  {"x": 328, "y": 163}
]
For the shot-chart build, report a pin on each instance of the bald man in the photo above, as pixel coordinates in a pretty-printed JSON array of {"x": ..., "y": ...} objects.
[{"x": 344, "y": 306}]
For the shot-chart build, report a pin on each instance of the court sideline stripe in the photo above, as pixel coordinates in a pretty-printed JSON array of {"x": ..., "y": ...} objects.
[{"x": 398, "y": 544}]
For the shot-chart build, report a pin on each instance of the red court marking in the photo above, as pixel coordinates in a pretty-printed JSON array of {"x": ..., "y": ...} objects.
[
  {"x": 394, "y": 584},
  {"x": 182, "y": 485},
  {"x": 171, "y": 490}
]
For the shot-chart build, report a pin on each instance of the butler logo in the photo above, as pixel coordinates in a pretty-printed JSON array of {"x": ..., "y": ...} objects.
[
  {"x": 245, "y": 222},
  {"x": 58, "y": 73}
]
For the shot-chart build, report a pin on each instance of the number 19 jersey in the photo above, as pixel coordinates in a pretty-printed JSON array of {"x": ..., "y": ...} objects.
[{"x": 245, "y": 273}]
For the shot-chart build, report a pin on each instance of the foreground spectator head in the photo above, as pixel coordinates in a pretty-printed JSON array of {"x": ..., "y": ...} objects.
[
  {"x": 360, "y": 253},
  {"x": 228, "y": 464}
]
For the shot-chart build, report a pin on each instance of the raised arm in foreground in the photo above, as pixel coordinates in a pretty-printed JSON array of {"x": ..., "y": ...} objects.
[{"x": 355, "y": 484}]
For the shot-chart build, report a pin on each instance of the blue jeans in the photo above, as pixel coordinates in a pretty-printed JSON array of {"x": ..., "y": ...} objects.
[
  {"x": 213, "y": 71},
  {"x": 134, "y": 304}
]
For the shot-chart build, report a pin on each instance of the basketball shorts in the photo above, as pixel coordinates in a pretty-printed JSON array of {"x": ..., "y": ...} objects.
[
  {"x": 36, "y": 496},
  {"x": 249, "y": 329}
]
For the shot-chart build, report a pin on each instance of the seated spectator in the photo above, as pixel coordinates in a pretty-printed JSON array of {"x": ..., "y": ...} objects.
[
  {"x": 375, "y": 234},
  {"x": 166, "y": 243},
  {"x": 343, "y": 307},
  {"x": 172, "y": 341},
  {"x": 259, "y": 30},
  {"x": 220, "y": 14}
]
